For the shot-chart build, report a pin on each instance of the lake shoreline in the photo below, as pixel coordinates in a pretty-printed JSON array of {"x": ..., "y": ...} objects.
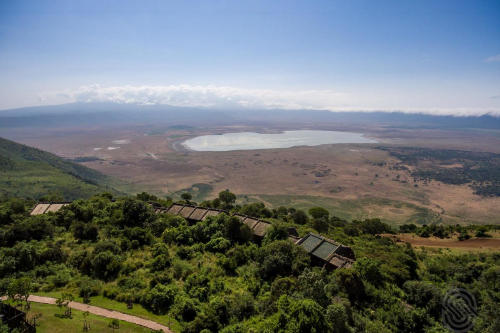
[{"x": 258, "y": 141}]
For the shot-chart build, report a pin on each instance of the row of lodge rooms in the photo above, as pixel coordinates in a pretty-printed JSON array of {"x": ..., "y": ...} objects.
[{"x": 324, "y": 252}]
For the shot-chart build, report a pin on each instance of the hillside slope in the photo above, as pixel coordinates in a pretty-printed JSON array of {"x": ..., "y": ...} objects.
[{"x": 31, "y": 172}]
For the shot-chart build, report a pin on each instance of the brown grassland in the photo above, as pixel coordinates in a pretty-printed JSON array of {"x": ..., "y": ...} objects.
[{"x": 351, "y": 180}]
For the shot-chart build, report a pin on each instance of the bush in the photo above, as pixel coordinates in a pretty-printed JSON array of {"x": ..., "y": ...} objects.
[
  {"x": 318, "y": 213},
  {"x": 106, "y": 265},
  {"x": 160, "y": 298}
]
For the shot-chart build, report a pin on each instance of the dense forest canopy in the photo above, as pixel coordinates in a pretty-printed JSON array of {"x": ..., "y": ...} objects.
[{"x": 212, "y": 276}]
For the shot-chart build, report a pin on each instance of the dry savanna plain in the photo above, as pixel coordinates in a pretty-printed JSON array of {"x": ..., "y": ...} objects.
[{"x": 353, "y": 181}]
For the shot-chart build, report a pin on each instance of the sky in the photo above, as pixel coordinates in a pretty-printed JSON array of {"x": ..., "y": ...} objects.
[{"x": 431, "y": 56}]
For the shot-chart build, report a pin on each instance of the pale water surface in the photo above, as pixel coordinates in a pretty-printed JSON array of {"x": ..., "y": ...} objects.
[{"x": 250, "y": 141}]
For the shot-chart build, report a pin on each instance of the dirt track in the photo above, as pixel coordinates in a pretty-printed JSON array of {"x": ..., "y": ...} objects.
[
  {"x": 103, "y": 312},
  {"x": 493, "y": 243}
]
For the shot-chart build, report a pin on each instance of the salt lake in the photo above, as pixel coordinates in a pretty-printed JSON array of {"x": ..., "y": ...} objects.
[{"x": 251, "y": 141}]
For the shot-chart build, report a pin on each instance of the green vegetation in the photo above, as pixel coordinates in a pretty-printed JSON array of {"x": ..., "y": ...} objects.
[
  {"x": 156, "y": 132},
  {"x": 365, "y": 208},
  {"x": 30, "y": 172},
  {"x": 198, "y": 191},
  {"x": 82, "y": 159},
  {"x": 213, "y": 277},
  {"x": 440, "y": 231},
  {"x": 456, "y": 167}
]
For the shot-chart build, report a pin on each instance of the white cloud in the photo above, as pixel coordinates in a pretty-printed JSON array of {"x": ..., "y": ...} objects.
[
  {"x": 236, "y": 98},
  {"x": 210, "y": 96},
  {"x": 495, "y": 58}
]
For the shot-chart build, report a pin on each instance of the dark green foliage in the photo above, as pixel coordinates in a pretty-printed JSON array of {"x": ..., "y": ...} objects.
[
  {"x": 85, "y": 231},
  {"x": 106, "y": 265},
  {"x": 136, "y": 213},
  {"x": 212, "y": 277},
  {"x": 227, "y": 199},
  {"x": 256, "y": 209},
  {"x": 370, "y": 270},
  {"x": 320, "y": 225},
  {"x": 350, "y": 282},
  {"x": 424, "y": 295},
  {"x": 319, "y": 212},
  {"x": 32, "y": 228},
  {"x": 160, "y": 298},
  {"x": 277, "y": 231},
  {"x": 281, "y": 258},
  {"x": 299, "y": 217},
  {"x": 236, "y": 231}
]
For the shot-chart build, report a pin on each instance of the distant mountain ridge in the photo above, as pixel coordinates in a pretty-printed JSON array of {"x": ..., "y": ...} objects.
[
  {"x": 119, "y": 114},
  {"x": 31, "y": 172}
]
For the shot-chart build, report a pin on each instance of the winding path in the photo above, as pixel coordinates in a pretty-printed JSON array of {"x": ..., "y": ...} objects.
[{"x": 103, "y": 312}]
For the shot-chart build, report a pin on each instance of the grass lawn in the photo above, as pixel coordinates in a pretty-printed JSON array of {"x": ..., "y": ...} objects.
[
  {"x": 138, "y": 310},
  {"x": 54, "y": 321}
]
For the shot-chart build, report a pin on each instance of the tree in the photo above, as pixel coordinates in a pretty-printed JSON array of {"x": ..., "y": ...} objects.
[
  {"x": 320, "y": 224},
  {"x": 281, "y": 258},
  {"x": 369, "y": 270},
  {"x": 67, "y": 298},
  {"x": 228, "y": 199},
  {"x": 481, "y": 232},
  {"x": 299, "y": 217},
  {"x": 236, "y": 231},
  {"x": 319, "y": 212},
  {"x": 161, "y": 297},
  {"x": 305, "y": 316},
  {"x": 136, "y": 213},
  {"x": 186, "y": 197},
  {"x": 277, "y": 231},
  {"x": 106, "y": 265},
  {"x": 85, "y": 231},
  {"x": 491, "y": 277},
  {"x": 86, "y": 324},
  {"x": 64, "y": 300},
  {"x": 423, "y": 294},
  {"x": 114, "y": 324},
  {"x": 336, "y": 315},
  {"x": 350, "y": 282},
  {"x": 374, "y": 226},
  {"x": 20, "y": 289}
]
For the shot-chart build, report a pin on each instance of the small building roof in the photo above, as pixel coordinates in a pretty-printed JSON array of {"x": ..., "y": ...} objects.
[
  {"x": 40, "y": 209},
  {"x": 198, "y": 213},
  {"x": 175, "y": 209},
  {"x": 187, "y": 211},
  {"x": 260, "y": 228},
  {"x": 55, "y": 207},
  {"x": 45, "y": 207},
  {"x": 251, "y": 222},
  {"x": 211, "y": 212}
]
